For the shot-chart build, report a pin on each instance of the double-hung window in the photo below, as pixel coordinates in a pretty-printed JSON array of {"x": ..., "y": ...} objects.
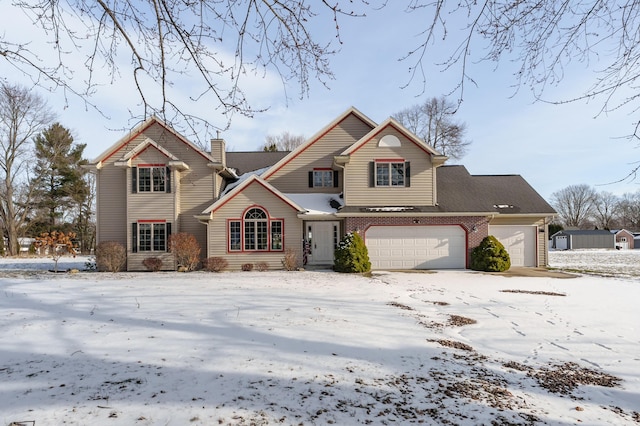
[
  {"x": 150, "y": 236},
  {"x": 256, "y": 232},
  {"x": 322, "y": 178},
  {"x": 151, "y": 178},
  {"x": 390, "y": 173}
]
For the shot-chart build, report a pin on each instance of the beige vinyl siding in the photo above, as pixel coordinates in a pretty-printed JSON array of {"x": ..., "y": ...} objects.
[
  {"x": 358, "y": 191},
  {"x": 134, "y": 261},
  {"x": 192, "y": 192},
  {"x": 542, "y": 242},
  {"x": 293, "y": 177},
  {"x": 254, "y": 195},
  {"x": 111, "y": 205}
]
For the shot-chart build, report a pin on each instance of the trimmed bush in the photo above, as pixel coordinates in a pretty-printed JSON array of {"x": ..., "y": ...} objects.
[
  {"x": 186, "y": 250},
  {"x": 247, "y": 267},
  {"x": 111, "y": 256},
  {"x": 352, "y": 254},
  {"x": 153, "y": 264},
  {"x": 290, "y": 260},
  {"x": 215, "y": 264},
  {"x": 490, "y": 256}
]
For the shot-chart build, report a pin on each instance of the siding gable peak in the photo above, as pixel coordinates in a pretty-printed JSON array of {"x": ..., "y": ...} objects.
[
  {"x": 437, "y": 158},
  {"x": 254, "y": 179},
  {"x": 315, "y": 138}
]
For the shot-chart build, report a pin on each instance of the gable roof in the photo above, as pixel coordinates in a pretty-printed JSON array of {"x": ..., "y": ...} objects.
[
  {"x": 136, "y": 131},
  {"x": 293, "y": 154},
  {"x": 245, "y": 183},
  {"x": 584, "y": 232},
  {"x": 391, "y": 122}
]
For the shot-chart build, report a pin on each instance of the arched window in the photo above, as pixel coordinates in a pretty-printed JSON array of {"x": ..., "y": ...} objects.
[{"x": 256, "y": 229}]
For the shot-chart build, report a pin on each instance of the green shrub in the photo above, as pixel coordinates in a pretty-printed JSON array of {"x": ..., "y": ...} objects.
[
  {"x": 352, "y": 254},
  {"x": 490, "y": 256}
]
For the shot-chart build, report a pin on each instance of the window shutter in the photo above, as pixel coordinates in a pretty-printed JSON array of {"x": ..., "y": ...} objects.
[
  {"x": 168, "y": 184},
  {"x": 134, "y": 237},
  {"x": 407, "y": 173},
  {"x": 372, "y": 174},
  {"x": 134, "y": 180},
  {"x": 311, "y": 179},
  {"x": 168, "y": 236},
  {"x": 336, "y": 179}
]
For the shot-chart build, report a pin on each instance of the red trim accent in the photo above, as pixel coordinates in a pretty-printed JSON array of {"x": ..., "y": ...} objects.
[
  {"x": 152, "y": 220},
  {"x": 269, "y": 220},
  {"x": 144, "y": 128},
  {"x": 313, "y": 142},
  {"x": 323, "y": 169},
  {"x": 389, "y": 160},
  {"x": 249, "y": 184},
  {"x": 151, "y": 165}
]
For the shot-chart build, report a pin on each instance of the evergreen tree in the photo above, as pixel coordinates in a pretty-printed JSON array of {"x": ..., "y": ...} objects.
[{"x": 59, "y": 185}]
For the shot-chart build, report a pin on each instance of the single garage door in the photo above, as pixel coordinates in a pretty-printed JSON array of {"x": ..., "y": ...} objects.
[
  {"x": 416, "y": 247},
  {"x": 520, "y": 242}
]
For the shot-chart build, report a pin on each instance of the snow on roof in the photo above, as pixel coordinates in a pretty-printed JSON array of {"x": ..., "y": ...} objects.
[
  {"x": 242, "y": 178},
  {"x": 317, "y": 203}
]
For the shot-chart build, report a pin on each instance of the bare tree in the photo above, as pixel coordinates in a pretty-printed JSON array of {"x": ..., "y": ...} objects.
[
  {"x": 545, "y": 39},
  {"x": 605, "y": 210},
  {"x": 574, "y": 204},
  {"x": 433, "y": 121},
  {"x": 215, "y": 44},
  {"x": 285, "y": 141},
  {"x": 22, "y": 115},
  {"x": 629, "y": 208}
]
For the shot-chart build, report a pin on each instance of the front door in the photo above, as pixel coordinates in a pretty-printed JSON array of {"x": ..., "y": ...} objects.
[{"x": 323, "y": 239}]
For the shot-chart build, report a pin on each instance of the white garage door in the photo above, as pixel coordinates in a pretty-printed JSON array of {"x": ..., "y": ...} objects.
[
  {"x": 416, "y": 247},
  {"x": 520, "y": 242}
]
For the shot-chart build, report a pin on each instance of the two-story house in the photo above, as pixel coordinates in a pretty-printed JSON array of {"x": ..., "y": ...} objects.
[{"x": 413, "y": 211}]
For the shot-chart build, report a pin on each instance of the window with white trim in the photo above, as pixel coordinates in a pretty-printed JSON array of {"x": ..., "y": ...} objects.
[
  {"x": 390, "y": 173},
  {"x": 150, "y": 236},
  {"x": 323, "y": 178},
  {"x": 151, "y": 178}
]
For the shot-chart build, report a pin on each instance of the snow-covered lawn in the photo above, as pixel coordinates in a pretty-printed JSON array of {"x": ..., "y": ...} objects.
[
  {"x": 624, "y": 263},
  {"x": 450, "y": 347}
]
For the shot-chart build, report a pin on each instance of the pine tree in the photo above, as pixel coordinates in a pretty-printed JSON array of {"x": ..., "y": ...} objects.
[{"x": 59, "y": 184}]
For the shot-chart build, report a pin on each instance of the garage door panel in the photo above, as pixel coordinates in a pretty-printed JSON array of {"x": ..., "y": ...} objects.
[
  {"x": 416, "y": 247},
  {"x": 519, "y": 241}
]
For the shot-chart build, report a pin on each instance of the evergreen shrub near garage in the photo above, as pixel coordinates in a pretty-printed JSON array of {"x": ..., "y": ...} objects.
[
  {"x": 352, "y": 254},
  {"x": 490, "y": 256}
]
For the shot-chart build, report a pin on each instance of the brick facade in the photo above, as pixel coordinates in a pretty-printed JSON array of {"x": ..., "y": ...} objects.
[{"x": 475, "y": 227}]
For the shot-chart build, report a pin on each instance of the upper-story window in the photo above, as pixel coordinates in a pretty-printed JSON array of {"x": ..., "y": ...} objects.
[
  {"x": 323, "y": 178},
  {"x": 390, "y": 173},
  {"x": 151, "y": 178}
]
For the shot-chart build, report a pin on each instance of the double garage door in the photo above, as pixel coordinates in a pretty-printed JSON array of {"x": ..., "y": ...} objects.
[
  {"x": 442, "y": 247},
  {"x": 416, "y": 247}
]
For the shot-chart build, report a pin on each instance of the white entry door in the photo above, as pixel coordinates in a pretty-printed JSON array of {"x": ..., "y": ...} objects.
[{"x": 323, "y": 237}]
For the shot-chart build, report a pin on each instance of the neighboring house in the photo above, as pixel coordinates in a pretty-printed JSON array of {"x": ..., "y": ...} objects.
[
  {"x": 381, "y": 180},
  {"x": 583, "y": 239},
  {"x": 624, "y": 239}
]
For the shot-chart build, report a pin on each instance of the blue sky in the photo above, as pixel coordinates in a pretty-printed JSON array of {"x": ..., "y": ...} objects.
[{"x": 551, "y": 146}]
